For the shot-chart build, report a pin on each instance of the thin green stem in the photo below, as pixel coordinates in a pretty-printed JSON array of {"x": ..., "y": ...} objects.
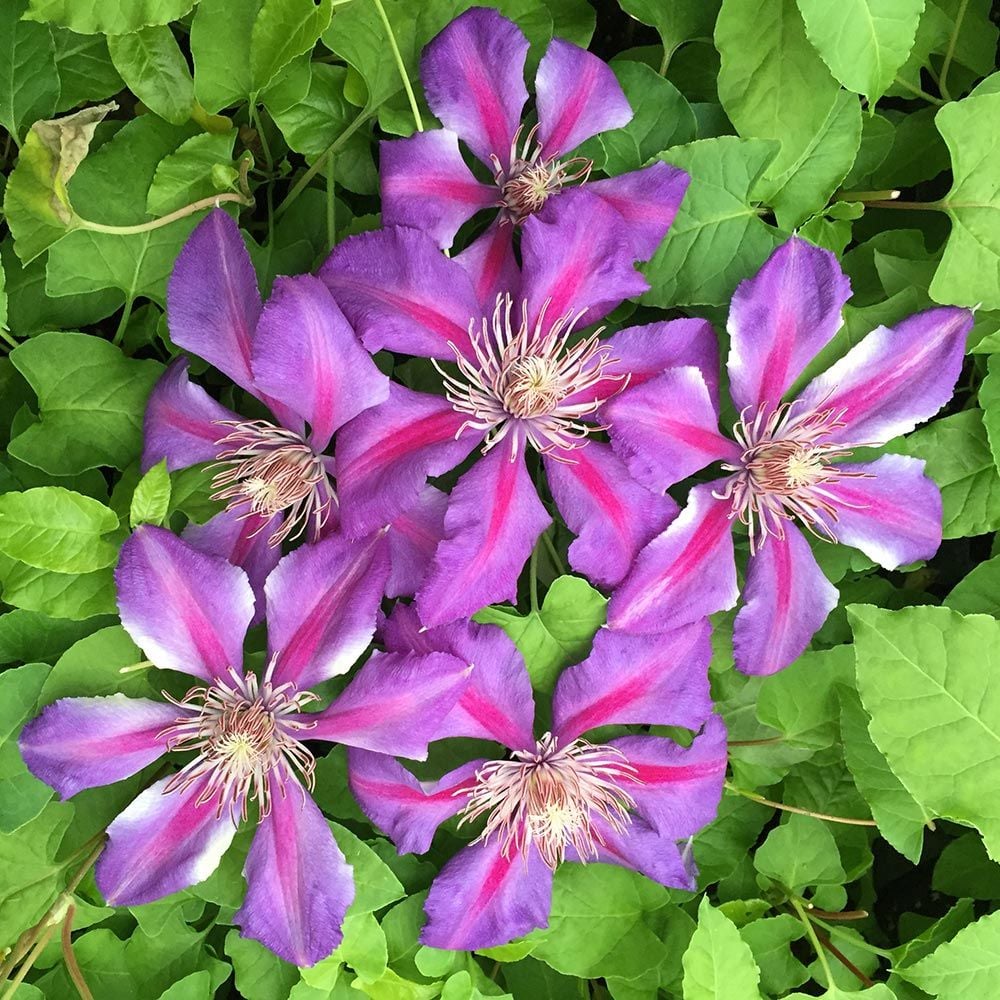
[
  {"x": 912, "y": 206},
  {"x": 8, "y": 338},
  {"x": 890, "y": 194},
  {"x": 181, "y": 213},
  {"x": 553, "y": 553},
  {"x": 69, "y": 956},
  {"x": 847, "y": 820},
  {"x": 811, "y": 931},
  {"x": 133, "y": 668},
  {"x": 331, "y": 204},
  {"x": 28, "y": 962},
  {"x": 123, "y": 322},
  {"x": 950, "y": 53},
  {"x": 916, "y": 91},
  {"x": 258, "y": 125},
  {"x": 417, "y": 120},
  {"x": 856, "y": 941}
]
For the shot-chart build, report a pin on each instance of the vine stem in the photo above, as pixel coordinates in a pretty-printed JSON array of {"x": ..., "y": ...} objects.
[
  {"x": 869, "y": 196},
  {"x": 397, "y": 55},
  {"x": 553, "y": 554},
  {"x": 69, "y": 956},
  {"x": 858, "y": 942},
  {"x": 145, "y": 227},
  {"x": 913, "y": 206},
  {"x": 26, "y": 965},
  {"x": 795, "y": 809},
  {"x": 950, "y": 53},
  {"x": 8, "y": 338},
  {"x": 811, "y": 931},
  {"x": 918, "y": 92}
]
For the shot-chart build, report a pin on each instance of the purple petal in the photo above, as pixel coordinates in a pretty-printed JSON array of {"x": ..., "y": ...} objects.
[
  {"x": 473, "y": 76},
  {"x": 306, "y": 355},
  {"x": 678, "y": 789},
  {"x": 642, "y": 849},
  {"x": 647, "y": 201},
  {"x": 400, "y": 292},
  {"x": 79, "y": 743},
  {"x": 781, "y": 319},
  {"x": 894, "y": 517},
  {"x": 426, "y": 185},
  {"x": 895, "y": 378},
  {"x": 667, "y": 428},
  {"x": 482, "y": 899},
  {"x": 181, "y": 422},
  {"x": 404, "y": 809},
  {"x": 322, "y": 603},
  {"x": 386, "y": 454},
  {"x": 212, "y": 298},
  {"x": 577, "y": 97},
  {"x": 162, "y": 843},
  {"x": 243, "y": 540},
  {"x": 298, "y": 884},
  {"x": 412, "y": 539},
  {"x": 493, "y": 520},
  {"x": 575, "y": 260},
  {"x": 498, "y": 703},
  {"x": 659, "y": 680},
  {"x": 684, "y": 574},
  {"x": 188, "y": 611},
  {"x": 489, "y": 262},
  {"x": 612, "y": 515},
  {"x": 394, "y": 704}
]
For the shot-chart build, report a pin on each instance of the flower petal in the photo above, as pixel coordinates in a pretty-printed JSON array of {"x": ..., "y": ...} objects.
[
  {"x": 678, "y": 789},
  {"x": 895, "y": 517},
  {"x": 306, "y": 355},
  {"x": 493, "y": 520},
  {"x": 162, "y": 843},
  {"x": 781, "y": 319},
  {"x": 412, "y": 539},
  {"x": 575, "y": 259},
  {"x": 473, "y": 76},
  {"x": 407, "y": 811},
  {"x": 394, "y": 704},
  {"x": 386, "y": 454},
  {"x": 642, "y": 849},
  {"x": 659, "y": 680},
  {"x": 426, "y": 185},
  {"x": 667, "y": 428},
  {"x": 299, "y": 885},
  {"x": 489, "y": 262},
  {"x": 182, "y": 421},
  {"x": 212, "y": 298},
  {"x": 647, "y": 201},
  {"x": 684, "y": 574},
  {"x": 400, "y": 292},
  {"x": 79, "y": 743},
  {"x": 787, "y": 600},
  {"x": 482, "y": 899},
  {"x": 611, "y": 514},
  {"x": 578, "y": 96},
  {"x": 187, "y": 610},
  {"x": 895, "y": 378},
  {"x": 498, "y": 703},
  {"x": 322, "y": 604}
]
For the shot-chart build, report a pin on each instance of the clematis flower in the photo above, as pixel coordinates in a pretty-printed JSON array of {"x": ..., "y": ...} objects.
[
  {"x": 522, "y": 381},
  {"x": 784, "y": 466},
  {"x": 189, "y": 612},
  {"x": 473, "y": 76},
  {"x": 299, "y": 357},
  {"x": 556, "y": 796}
]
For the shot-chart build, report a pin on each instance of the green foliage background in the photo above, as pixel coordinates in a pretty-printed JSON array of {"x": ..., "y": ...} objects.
[{"x": 871, "y": 127}]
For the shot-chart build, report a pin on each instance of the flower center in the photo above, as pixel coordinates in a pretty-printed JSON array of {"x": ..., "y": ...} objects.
[
  {"x": 525, "y": 376},
  {"x": 526, "y": 185},
  {"x": 553, "y": 797},
  {"x": 785, "y": 471},
  {"x": 270, "y": 469},
  {"x": 245, "y": 736}
]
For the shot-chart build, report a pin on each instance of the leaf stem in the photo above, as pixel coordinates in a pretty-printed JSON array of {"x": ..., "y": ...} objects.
[
  {"x": 69, "y": 956},
  {"x": 918, "y": 92},
  {"x": 26, "y": 965},
  {"x": 913, "y": 206},
  {"x": 123, "y": 322},
  {"x": 868, "y": 196},
  {"x": 145, "y": 227},
  {"x": 950, "y": 53},
  {"x": 8, "y": 338},
  {"x": 397, "y": 55},
  {"x": 795, "y": 809},
  {"x": 811, "y": 931},
  {"x": 553, "y": 554},
  {"x": 331, "y": 204},
  {"x": 257, "y": 124},
  {"x": 858, "y": 942}
]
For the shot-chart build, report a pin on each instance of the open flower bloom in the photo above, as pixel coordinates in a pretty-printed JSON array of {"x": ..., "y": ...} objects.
[
  {"x": 473, "y": 76},
  {"x": 784, "y": 466},
  {"x": 556, "y": 796},
  {"x": 519, "y": 382},
  {"x": 189, "y": 612},
  {"x": 298, "y": 355}
]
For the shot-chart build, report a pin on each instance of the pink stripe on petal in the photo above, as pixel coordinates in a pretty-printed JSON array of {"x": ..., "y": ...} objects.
[
  {"x": 644, "y": 850},
  {"x": 413, "y": 536},
  {"x": 489, "y": 261}
]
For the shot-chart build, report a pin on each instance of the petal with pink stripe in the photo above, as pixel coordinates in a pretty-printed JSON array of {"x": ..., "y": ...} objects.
[
  {"x": 413, "y": 536},
  {"x": 489, "y": 262}
]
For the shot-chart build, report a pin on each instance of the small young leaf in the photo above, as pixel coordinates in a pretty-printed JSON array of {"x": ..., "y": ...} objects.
[
  {"x": 718, "y": 962},
  {"x": 151, "y": 499}
]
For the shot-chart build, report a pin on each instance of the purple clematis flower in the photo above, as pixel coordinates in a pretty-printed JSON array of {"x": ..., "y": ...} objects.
[
  {"x": 784, "y": 464},
  {"x": 473, "y": 76},
  {"x": 555, "y": 797},
  {"x": 298, "y": 355},
  {"x": 190, "y": 611}
]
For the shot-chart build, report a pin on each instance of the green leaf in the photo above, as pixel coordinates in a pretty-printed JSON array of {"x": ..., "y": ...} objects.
[
  {"x": 107, "y": 17},
  {"x": 718, "y": 962},
  {"x": 151, "y": 499},
  {"x": 260, "y": 974},
  {"x": 220, "y": 41},
  {"x": 769, "y": 940},
  {"x": 62, "y": 595},
  {"x": 188, "y": 175},
  {"x": 928, "y": 679},
  {"x": 374, "y": 883},
  {"x": 864, "y": 42},
  {"x": 55, "y": 529},
  {"x": 558, "y": 634},
  {"x": 86, "y": 72},
  {"x": 966, "y": 966},
  {"x": 676, "y": 22},
  {"x": 979, "y": 592},
  {"x": 29, "y": 84},
  {"x": 197, "y": 986},
  {"x": 283, "y": 30},
  {"x": 964, "y": 869},
  {"x": 91, "y": 400},
  {"x": 717, "y": 238},
  {"x": 959, "y": 460},
  {"x": 153, "y": 67},
  {"x": 92, "y": 668},
  {"x": 989, "y": 400},
  {"x": 970, "y": 269},
  {"x": 799, "y": 853},
  {"x": 30, "y": 636}
]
